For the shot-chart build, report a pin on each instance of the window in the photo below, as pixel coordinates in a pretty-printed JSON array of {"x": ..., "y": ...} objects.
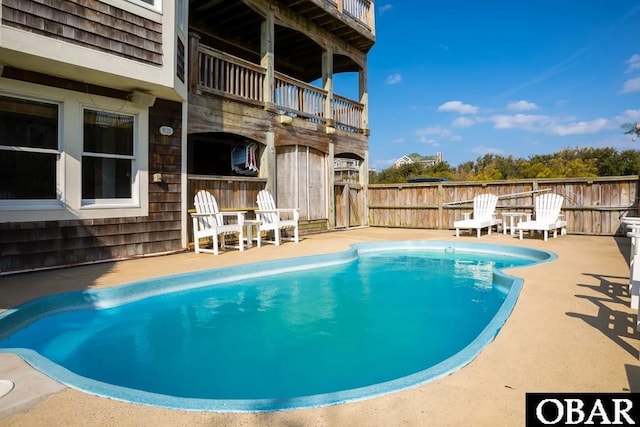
[
  {"x": 70, "y": 155},
  {"x": 154, "y": 4},
  {"x": 107, "y": 158},
  {"x": 29, "y": 150}
]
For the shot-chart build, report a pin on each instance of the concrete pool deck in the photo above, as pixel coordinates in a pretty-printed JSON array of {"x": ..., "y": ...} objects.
[{"x": 571, "y": 331}]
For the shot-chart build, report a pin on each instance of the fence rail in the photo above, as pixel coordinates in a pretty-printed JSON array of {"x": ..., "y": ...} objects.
[{"x": 591, "y": 205}]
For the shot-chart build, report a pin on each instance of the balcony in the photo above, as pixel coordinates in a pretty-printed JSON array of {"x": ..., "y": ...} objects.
[
  {"x": 340, "y": 17},
  {"x": 221, "y": 74}
]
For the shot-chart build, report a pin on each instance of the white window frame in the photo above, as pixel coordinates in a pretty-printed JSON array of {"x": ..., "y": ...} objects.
[
  {"x": 69, "y": 203},
  {"x": 111, "y": 203},
  {"x": 153, "y": 5},
  {"x": 42, "y": 203}
]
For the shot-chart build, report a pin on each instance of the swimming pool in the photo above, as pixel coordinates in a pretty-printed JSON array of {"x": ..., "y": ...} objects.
[{"x": 352, "y": 332}]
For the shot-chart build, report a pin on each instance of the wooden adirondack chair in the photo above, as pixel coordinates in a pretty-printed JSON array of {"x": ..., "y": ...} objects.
[
  {"x": 484, "y": 215},
  {"x": 208, "y": 221},
  {"x": 275, "y": 219},
  {"x": 547, "y": 216}
]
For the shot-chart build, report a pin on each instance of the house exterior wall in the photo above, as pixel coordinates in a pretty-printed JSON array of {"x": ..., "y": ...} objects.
[
  {"x": 110, "y": 43},
  {"x": 113, "y": 59},
  {"x": 45, "y": 244}
]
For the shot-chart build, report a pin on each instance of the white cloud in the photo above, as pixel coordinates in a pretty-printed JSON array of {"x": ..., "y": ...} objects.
[
  {"x": 522, "y": 106},
  {"x": 487, "y": 150},
  {"x": 549, "y": 125},
  {"x": 424, "y": 135},
  {"x": 394, "y": 79},
  {"x": 634, "y": 63},
  {"x": 579, "y": 128},
  {"x": 398, "y": 141},
  {"x": 632, "y": 114},
  {"x": 458, "y": 107},
  {"x": 385, "y": 8},
  {"x": 463, "y": 122},
  {"x": 632, "y": 85},
  {"x": 518, "y": 121}
]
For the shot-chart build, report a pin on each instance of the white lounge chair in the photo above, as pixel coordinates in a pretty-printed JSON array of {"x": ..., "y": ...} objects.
[
  {"x": 547, "y": 217},
  {"x": 633, "y": 226},
  {"x": 275, "y": 219},
  {"x": 484, "y": 215},
  {"x": 209, "y": 222}
]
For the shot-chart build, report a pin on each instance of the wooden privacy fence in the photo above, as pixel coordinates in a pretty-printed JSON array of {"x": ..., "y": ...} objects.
[{"x": 591, "y": 205}]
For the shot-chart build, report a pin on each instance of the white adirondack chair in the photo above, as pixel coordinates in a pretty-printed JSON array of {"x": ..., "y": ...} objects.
[
  {"x": 484, "y": 215},
  {"x": 209, "y": 222},
  {"x": 633, "y": 226},
  {"x": 275, "y": 219},
  {"x": 547, "y": 216}
]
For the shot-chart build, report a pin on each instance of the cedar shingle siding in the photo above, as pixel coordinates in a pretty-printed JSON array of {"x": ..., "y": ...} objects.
[
  {"x": 41, "y": 244},
  {"x": 89, "y": 23}
]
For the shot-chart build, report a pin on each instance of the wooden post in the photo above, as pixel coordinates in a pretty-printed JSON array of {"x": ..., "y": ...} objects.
[
  {"x": 267, "y": 59},
  {"x": 327, "y": 85},
  {"x": 331, "y": 192},
  {"x": 194, "y": 69},
  {"x": 364, "y": 99}
]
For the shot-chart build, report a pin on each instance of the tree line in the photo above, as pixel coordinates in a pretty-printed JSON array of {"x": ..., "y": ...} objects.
[{"x": 566, "y": 163}]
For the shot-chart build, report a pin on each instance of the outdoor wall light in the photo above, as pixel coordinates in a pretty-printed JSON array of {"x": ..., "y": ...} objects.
[
  {"x": 166, "y": 130},
  {"x": 141, "y": 98},
  {"x": 285, "y": 119}
]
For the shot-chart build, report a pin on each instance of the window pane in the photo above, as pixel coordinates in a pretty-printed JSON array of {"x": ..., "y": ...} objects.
[
  {"x": 25, "y": 123},
  {"x": 25, "y": 176},
  {"x": 108, "y": 133},
  {"x": 106, "y": 178}
]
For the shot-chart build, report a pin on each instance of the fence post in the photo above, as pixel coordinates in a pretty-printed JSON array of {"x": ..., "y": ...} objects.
[{"x": 440, "y": 207}]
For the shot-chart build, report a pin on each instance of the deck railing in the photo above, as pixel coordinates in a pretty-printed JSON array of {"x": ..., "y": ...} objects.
[
  {"x": 226, "y": 75},
  {"x": 360, "y": 10},
  {"x": 299, "y": 98},
  {"x": 347, "y": 114}
]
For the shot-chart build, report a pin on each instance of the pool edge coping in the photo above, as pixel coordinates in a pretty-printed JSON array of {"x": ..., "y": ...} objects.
[{"x": 448, "y": 366}]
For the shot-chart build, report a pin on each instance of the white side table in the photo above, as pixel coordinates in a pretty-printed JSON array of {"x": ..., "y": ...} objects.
[
  {"x": 511, "y": 216},
  {"x": 250, "y": 224}
]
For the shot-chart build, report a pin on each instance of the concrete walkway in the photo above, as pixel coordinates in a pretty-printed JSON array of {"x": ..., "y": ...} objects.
[{"x": 571, "y": 331}]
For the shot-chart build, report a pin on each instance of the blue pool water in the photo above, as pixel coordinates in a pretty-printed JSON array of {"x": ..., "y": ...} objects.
[{"x": 302, "y": 332}]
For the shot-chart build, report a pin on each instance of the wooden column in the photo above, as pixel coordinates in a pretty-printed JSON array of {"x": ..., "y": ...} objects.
[
  {"x": 331, "y": 182},
  {"x": 364, "y": 98},
  {"x": 267, "y": 47},
  {"x": 327, "y": 85},
  {"x": 194, "y": 70},
  {"x": 268, "y": 163}
]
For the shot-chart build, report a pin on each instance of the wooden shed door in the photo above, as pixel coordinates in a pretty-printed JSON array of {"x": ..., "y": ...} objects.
[{"x": 301, "y": 181}]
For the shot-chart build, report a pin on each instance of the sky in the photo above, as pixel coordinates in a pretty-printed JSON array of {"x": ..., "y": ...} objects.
[{"x": 469, "y": 78}]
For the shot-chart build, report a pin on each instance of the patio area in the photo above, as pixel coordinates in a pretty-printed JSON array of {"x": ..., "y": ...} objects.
[{"x": 572, "y": 330}]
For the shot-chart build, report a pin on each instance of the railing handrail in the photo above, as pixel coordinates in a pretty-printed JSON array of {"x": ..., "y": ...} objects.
[
  {"x": 228, "y": 75},
  {"x": 299, "y": 83},
  {"x": 347, "y": 101},
  {"x": 231, "y": 58},
  {"x": 360, "y": 10}
]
